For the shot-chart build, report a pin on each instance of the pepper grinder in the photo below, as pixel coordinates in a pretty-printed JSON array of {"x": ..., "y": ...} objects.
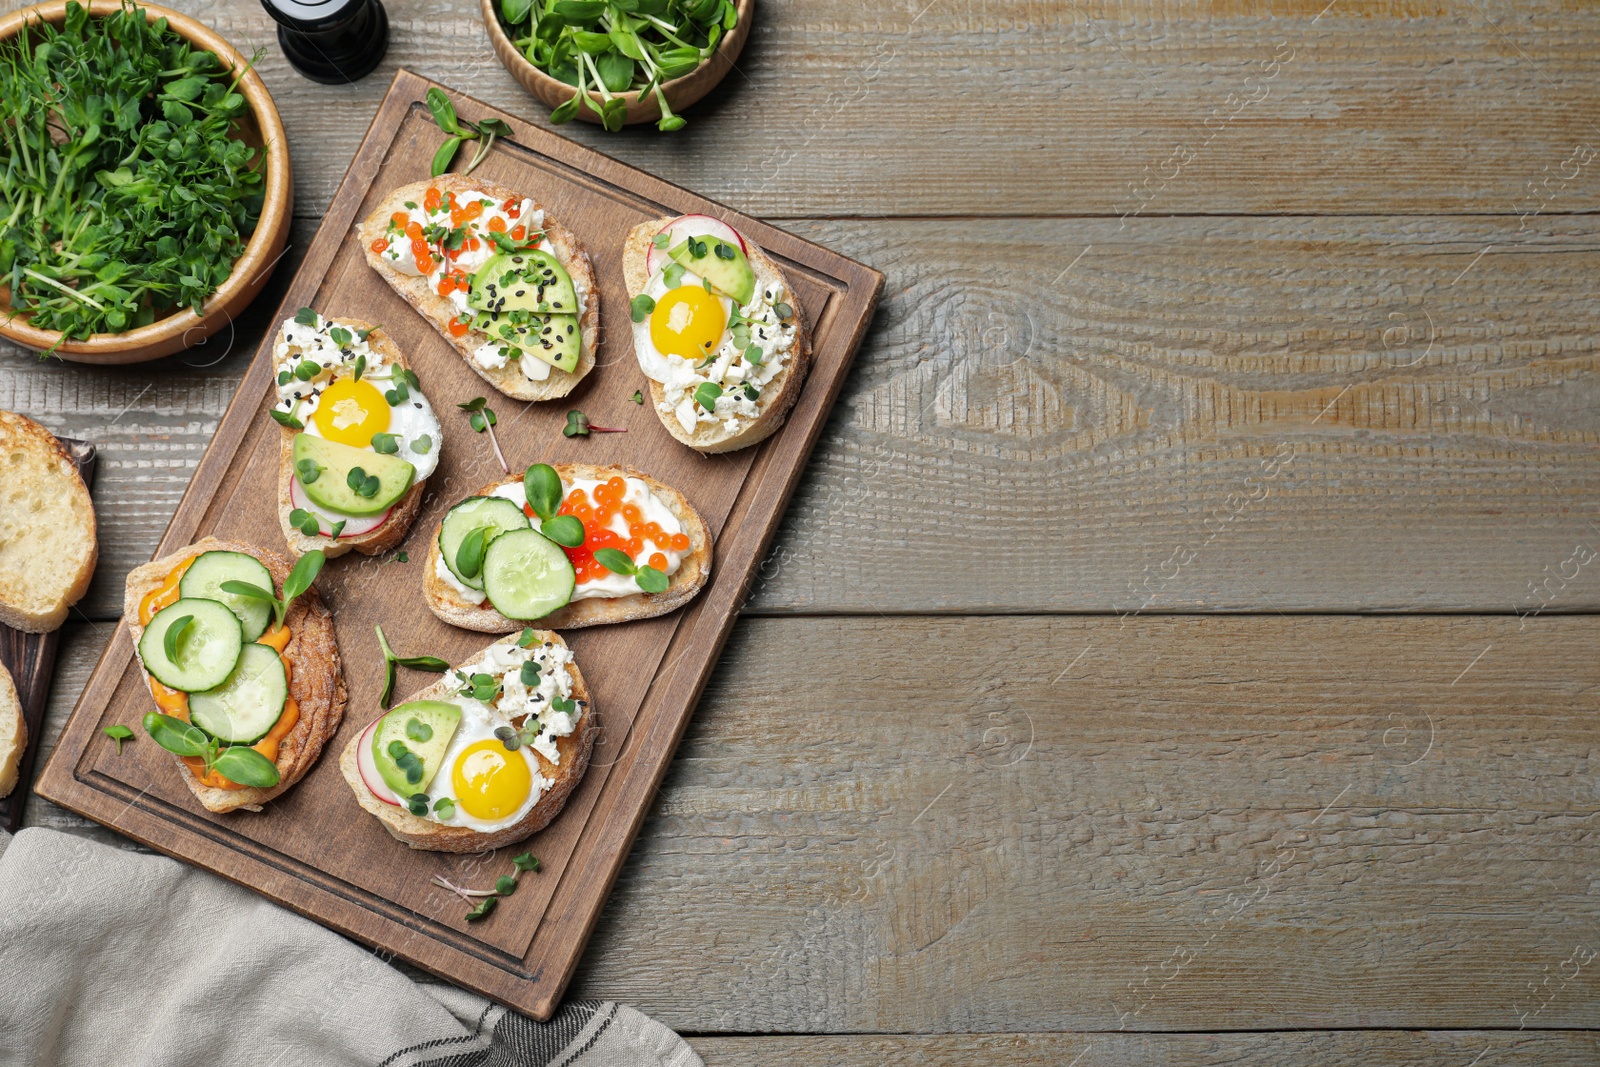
[{"x": 334, "y": 42}]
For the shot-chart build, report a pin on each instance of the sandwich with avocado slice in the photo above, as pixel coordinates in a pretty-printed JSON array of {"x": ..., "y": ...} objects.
[{"x": 507, "y": 285}]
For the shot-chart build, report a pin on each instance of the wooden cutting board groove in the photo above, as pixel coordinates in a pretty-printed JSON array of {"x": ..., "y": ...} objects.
[{"x": 313, "y": 849}]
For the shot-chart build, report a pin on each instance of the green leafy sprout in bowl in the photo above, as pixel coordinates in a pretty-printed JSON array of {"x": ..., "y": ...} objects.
[
  {"x": 124, "y": 195},
  {"x": 605, "y": 48}
]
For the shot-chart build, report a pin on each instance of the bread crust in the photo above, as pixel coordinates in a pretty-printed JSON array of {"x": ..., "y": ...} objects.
[
  {"x": 436, "y": 309},
  {"x": 316, "y": 683},
  {"x": 379, "y": 539},
  {"x": 21, "y": 432},
  {"x": 575, "y": 750},
  {"x": 691, "y": 576},
  {"x": 13, "y": 732},
  {"x": 779, "y": 395}
]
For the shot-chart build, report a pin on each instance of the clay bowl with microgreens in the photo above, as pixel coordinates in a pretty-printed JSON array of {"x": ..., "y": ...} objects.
[
  {"x": 144, "y": 181},
  {"x": 618, "y": 63}
]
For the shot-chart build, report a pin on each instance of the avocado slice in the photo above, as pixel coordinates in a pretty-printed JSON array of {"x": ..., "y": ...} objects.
[
  {"x": 731, "y": 274},
  {"x": 529, "y": 280},
  {"x": 552, "y": 338},
  {"x": 331, "y": 488},
  {"x": 398, "y": 733}
]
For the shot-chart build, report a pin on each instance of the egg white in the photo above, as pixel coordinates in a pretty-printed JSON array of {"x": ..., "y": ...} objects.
[{"x": 659, "y": 366}]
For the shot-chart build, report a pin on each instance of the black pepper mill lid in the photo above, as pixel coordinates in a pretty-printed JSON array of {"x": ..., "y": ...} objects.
[{"x": 331, "y": 41}]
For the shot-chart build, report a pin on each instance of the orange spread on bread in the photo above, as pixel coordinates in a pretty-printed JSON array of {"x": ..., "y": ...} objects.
[{"x": 175, "y": 702}]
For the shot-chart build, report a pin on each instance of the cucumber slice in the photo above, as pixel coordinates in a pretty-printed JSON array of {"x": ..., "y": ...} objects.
[
  {"x": 207, "y": 650},
  {"x": 495, "y": 512},
  {"x": 527, "y": 575},
  {"x": 242, "y": 709},
  {"x": 209, "y": 570}
]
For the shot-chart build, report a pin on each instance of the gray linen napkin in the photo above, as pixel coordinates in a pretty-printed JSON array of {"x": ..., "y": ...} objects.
[{"x": 116, "y": 957}]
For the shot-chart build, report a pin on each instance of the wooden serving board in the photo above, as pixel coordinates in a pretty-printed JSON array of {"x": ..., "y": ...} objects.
[
  {"x": 31, "y": 659},
  {"x": 313, "y": 849}
]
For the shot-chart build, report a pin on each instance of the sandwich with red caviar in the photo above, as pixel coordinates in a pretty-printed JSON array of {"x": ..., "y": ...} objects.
[
  {"x": 242, "y": 664},
  {"x": 568, "y": 545},
  {"x": 717, "y": 331},
  {"x": 507, "y": 285}
]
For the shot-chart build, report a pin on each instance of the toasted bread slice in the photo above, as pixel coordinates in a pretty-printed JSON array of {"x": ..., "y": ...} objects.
[
  {"x": 509, "y": 379},
  {"x": 316, "y": 683},
  {"x": 379, "y": 539},
  {"x": 780, "y": 393},
  {"x": 13, "y": 732},
  {"x": 690, "y": 576},
  {"x": 48, "y": 544},
  {"x": 424, "y": 834}
]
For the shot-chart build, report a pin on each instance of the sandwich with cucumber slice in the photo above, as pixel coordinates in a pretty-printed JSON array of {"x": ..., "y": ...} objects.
[
  {"x": 568, "y": 545},
  {"x": 507, "y": 285},
  {"x": 243, "y": 668}
]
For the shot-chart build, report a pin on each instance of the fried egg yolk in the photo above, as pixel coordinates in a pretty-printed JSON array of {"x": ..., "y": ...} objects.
[
  {"x": 351, "y": 411},
  {"x": 688, "y": 323},
  {"x": 490, "y": 782}
]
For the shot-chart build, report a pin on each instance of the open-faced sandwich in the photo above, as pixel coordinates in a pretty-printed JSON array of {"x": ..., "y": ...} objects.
[
  {"x": 359, "y": 438},
  {"x": 507, "y": 285},
  {"x": 243, "y": 667},
  {"x": 483, "y": 757},
  {"x": 13, "y": 732},
  {"x": 716, "y": 329},
  {"x": 570, "y": 545}
]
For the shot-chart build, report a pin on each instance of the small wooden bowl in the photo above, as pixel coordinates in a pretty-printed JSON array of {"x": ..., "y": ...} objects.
[
  {"x": 680, "y": 92},
  {"x": 250, "y": 272}
]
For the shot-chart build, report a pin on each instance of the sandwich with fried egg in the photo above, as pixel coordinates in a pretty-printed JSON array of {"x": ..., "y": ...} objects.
[
  {"x": 717, "y": 330},
  {"x": 484, "y": 757},
  {"x": 359, "y": 438}
]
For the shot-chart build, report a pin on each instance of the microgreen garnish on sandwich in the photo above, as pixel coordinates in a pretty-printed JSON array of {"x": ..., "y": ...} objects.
[
  {"x": 353, "y": 474},
  {"x": 437, "y": 771},
  {"x": 533, "y": 548},
  {"x": 714, "y": 330},
  {"x": 506, "y": 285},
  {"x": 245, "y": 678}
]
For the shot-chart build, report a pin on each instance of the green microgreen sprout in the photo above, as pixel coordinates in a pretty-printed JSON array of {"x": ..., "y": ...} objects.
[
  {"x": 457, "y": 130},
  {"x": 126, "y": 195},
  {"x": 483, "y": 900},
  {"x": 616, "y": 561},
  {"x": 118, "y": 733},
  {"x": 641, "y": 306},
  {"x": 578, "y": 425},
  {"x": 542, "y": 487},
  {"x": 482, "y": 419},
  {"x": 637, "y": 397},
  {"x": 304, "y": 572},
  {"x": 237, "y": 763},
  {"x": 432, "y": 664}
]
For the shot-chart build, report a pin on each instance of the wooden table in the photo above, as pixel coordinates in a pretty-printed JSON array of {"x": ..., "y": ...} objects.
[{"x": 1180, "y": 649}]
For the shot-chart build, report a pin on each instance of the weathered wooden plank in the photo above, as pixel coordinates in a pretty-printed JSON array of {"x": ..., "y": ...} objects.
[
  {"x": 1160, "y": 823},
  {"x": 1454, "y": 1048},
  {"x": 962, "y": 107},
  {"x": 1072, "y": 415}
]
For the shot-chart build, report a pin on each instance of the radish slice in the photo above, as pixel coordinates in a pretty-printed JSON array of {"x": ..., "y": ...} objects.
[
  {"x": 354, "y": 526},
  {"x": 690, "y": 226},
  {"x": 369, "y": 769}
]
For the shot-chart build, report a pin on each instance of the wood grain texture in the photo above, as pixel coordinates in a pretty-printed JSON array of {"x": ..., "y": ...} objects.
[
  {"x": 970, "y": 107},
  {"x": 1074, "y": 415},
  {"x": 1452, "y": 1048},
  {"x": 1172, "y": 823},
  {"x": 643, "y": 679}
]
